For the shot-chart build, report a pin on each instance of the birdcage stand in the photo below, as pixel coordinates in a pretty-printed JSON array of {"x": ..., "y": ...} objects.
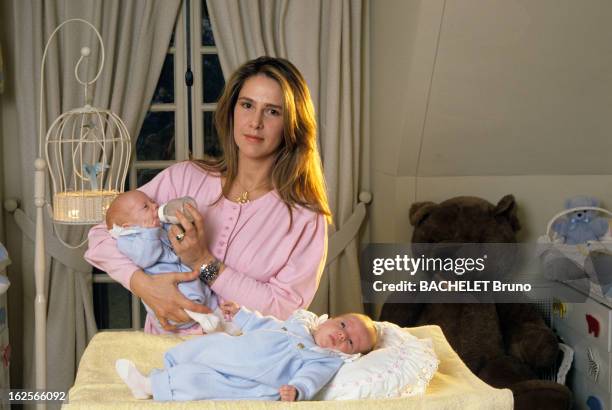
[{"x": 86, "y": 153}]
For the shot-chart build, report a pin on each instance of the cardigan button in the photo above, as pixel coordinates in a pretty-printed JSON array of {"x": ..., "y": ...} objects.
[
  {"x": 300, "y": 345},
  {"x": 284, "y": 328}
]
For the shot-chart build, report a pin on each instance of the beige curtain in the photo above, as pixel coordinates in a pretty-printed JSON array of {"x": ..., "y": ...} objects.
[
  {"x": 1, "y": 72},
  {"x": 136, "y": 35},
  {"x": 2, "y": 77},
  {"x": 327, "y": 41}
]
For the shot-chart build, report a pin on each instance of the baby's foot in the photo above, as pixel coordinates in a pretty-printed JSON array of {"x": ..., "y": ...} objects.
[
  {"x": 136, "y": 381},
  {"x": 208, "y": 321}
]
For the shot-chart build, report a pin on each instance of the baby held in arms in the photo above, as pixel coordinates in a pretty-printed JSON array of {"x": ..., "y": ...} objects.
[
  {"x": 270, "y": 360},
  {"x": 133, "y": 220}
]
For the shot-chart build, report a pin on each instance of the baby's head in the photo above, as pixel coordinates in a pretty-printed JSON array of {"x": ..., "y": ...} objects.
[
  {"x": 132, "y": 208},
  {"x": 350, "y": 333}
]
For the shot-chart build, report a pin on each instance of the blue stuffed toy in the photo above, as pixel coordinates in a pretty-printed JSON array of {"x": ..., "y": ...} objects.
[{"x": 581, "y": 225}]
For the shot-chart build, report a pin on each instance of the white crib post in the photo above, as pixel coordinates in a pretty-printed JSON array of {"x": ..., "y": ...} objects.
[{"x": 40, "y": 303}]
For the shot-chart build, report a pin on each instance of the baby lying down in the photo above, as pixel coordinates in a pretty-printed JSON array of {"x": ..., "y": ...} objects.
[{"x": 271, "y": 360}]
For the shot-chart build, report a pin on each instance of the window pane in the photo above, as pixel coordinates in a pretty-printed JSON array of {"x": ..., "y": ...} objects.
[
  {"x": 213, "y": 81},
  {"x": 145, "y": 175},
  {"x": 212, "y": 147},
  {"x": 112, "y": 306},
  {"x": 143, "y": 315},
  {"x": 164, "y": 92},
  {"x": 207, "y": 34},
  {"x": 156, "y": 138}
]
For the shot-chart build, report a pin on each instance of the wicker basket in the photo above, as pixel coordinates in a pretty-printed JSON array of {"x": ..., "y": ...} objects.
[
  {"x": 591, "y": 261},
  {"x": 82, "y": 206}
]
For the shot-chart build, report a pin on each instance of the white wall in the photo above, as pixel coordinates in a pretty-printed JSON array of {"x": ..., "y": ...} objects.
[{"x": 498, "y": 97}]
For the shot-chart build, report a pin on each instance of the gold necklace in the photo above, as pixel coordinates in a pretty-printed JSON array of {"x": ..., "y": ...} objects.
[{"x": 243, "y": 198}]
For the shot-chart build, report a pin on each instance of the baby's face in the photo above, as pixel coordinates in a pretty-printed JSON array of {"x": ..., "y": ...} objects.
[
  {"x": 140, "y": 210},
  {"x": 348, "y": 334}
]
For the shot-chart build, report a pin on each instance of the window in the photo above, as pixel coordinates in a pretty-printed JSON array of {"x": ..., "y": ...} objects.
[{"x": 164, "y": 136}]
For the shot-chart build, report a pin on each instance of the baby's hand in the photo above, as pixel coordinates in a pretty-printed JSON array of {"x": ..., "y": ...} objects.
[
  {"x": 229, "y": 308},
  {"x": 287, "y": 392}
]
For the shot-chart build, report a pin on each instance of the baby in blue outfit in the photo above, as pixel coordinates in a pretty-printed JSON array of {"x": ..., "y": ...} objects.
[
  {"x": 271, "y": 360},
  {"x": 132, "y": 219}
]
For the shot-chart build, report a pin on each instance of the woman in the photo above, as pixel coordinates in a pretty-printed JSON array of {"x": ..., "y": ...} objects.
[{"x": 259, "y": 236}]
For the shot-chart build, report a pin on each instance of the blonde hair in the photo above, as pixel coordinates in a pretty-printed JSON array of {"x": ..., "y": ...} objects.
[
  {"x": 115, "y": 212},
  {"x": 297, "y": 172}
]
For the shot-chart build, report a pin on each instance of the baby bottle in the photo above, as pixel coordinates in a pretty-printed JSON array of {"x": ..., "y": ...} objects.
[{"x": 167, "y": 211}]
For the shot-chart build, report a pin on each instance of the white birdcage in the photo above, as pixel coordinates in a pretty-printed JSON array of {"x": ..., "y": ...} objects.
[{"x": 87, "y": 151}]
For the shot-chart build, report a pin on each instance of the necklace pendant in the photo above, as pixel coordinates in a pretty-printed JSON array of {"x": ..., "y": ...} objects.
[{"x": 243, "y": 198}]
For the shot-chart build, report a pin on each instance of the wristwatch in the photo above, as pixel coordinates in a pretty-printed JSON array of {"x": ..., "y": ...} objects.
[{"x": 209, "y": 271}]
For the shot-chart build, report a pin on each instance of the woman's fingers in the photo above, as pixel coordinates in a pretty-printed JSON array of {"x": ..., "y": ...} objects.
[
  {"x": 177, "y": 316},
  {"x": 185, "y": 276},
  {"x": 192, "y": 248},
  {"x": 167, "y": 326},
  {"x": 176, "y": 235},
  {"x": 198, "y": 219},
  {"x": 161, "y": 294},
  {"x": 185, "y": 223},
  {"x": 187, "y": 303},
  {"x": 196, "y": 307}
]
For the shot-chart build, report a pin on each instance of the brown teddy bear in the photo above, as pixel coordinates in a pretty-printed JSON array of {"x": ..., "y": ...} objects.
[{"x": 504, "y": 344}]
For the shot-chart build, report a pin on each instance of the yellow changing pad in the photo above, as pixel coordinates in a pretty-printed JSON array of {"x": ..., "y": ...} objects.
[{"x": 98, "y": 386}]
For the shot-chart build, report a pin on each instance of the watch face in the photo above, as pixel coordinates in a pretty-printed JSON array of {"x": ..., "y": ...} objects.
[{"x": 209, "y": 272}]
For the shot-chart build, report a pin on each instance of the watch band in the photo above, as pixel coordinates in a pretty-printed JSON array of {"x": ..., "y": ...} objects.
[{"x": 209, "y": 271}]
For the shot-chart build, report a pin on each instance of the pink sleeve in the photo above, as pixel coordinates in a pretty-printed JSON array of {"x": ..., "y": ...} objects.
[
  {"x": 294, "y": 285},
  {"x": 103, "y": 254},
  {"x": 102, "y": 251}
]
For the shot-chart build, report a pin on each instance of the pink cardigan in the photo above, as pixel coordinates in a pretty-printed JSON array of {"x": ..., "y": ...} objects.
[{"x": 267, "y": 267}]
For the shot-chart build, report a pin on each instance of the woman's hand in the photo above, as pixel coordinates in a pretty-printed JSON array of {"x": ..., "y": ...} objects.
[
  {"x": 189, "y": 239},
  {"x": 161, "y": 294}
]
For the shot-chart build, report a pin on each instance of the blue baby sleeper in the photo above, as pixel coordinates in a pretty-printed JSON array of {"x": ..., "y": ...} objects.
[
  {"x": 150, "y": 249},
  {"x": 253, "y": 366}
]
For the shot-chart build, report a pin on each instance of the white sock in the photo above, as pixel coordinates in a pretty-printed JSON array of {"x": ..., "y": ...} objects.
[
  {"x": 139, "y": 384},
  {"x": 208, "y": 321}
]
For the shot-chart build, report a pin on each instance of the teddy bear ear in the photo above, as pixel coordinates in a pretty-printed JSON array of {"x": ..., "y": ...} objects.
[
  {"x": 419, "y": 210},
  {"x": 506, "y": 207}
]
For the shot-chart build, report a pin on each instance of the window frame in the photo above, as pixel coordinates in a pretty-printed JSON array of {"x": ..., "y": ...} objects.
[{"x": 199, "y": 107}]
